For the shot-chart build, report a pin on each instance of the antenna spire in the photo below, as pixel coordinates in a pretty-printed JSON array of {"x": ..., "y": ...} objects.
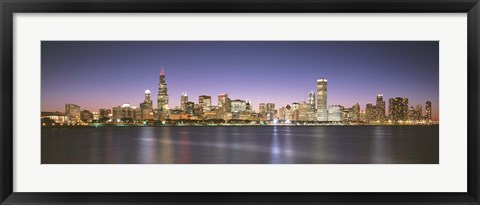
[{"x": 162, "y": 71}]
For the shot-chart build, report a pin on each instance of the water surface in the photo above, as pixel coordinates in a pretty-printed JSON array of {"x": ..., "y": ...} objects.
[{"x": 241, "y": 145}]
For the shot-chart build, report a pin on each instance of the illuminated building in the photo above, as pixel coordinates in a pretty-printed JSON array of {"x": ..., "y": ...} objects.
[
  {"x": 288, "y": 115},
  {"x": 356, "y": 112},
  {"x": 197, "y": 110},
  {"x": 95, "y": 116},
  {"x": 183, "y": 101},
  {"x": 55, "y": 117},
  {"x": 126, "y": 113},
  {"x": 380, "y": 108},
  {"x": 303, "y": 111},
  {"x": 285, "y": 113},
  {"x": 137, "y": 113},
  {"x": 398, "y": 109},
  {"x": 262, "y": 110},
  {"x": 428, "y": 111},
  {"x": 411, "y": 114},
  {"x": 86, "y": 116},
  {"x": 224, "y": 105},
  {"x": 418, "y": 112},
  {"x": 362, "y": 115},
  {"x": 73, "y": 112},
  {"x": 146, "y": 107},
  {"x": 248, "y": 106},
  {"x": 271, "y": 112},
  {"x": 295, "y": 111},
  {"x": 322, "y": 113},
  {"x": 162, "y": 97},
  {"x": 311, "y": 111},
  {"x": 190, "y": 108},
  {"x": 370, "y": 112},
  {"x": 105, "y": 113},
  {"x": 205, "y": 102},
  {"x": 347, "y": 115},
  {"x": 238, "y": 105},
  {"x": 210, "y": 115},
  {"x": 335, "y": 113}
]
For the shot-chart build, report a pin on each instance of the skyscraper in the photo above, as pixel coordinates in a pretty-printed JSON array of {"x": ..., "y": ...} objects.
[
  {"x": 224, "y": 106},
  {"x": 183, "y": 101},
  {"x": 370, "y": 112},
  {"x": 303, "y": 111},
  {"x": 418, "y": 112},
  {"x": 311, "y": 98},
  {"x": 224, "y": 103},
  {"x": 262, "y": 110},
  {"x": 311, "y": 112},
  {"x": 411, "y": 114},
  {"x": 190, "y": 108},
  {"x": 398, "y": 109},
  {"x": 428, "y": 110},
  {"x": 146, "y": 107},
  {"x": 295, "y": 111},
  {"x": 271, "y": 112},
  {"x": 335, "y": 113},
  {"x": 205, "y": 102},
  {"x": 73, "y": 112},
  {"x": 380, "y": 108},
  {"x": 162, "y": 97},
  {"x": 356, "y": 112},
  {"x": 322, "y": 112}
]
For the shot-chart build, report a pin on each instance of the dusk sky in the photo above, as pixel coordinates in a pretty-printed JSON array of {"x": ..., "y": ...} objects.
[{"x": 105, "y": 74}]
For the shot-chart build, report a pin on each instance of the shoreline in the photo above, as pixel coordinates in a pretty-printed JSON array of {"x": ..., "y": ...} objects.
[{"x": 236, "y": 125}]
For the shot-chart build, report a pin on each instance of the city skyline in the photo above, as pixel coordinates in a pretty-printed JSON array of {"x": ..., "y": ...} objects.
[{"x": 285, "y": 91}]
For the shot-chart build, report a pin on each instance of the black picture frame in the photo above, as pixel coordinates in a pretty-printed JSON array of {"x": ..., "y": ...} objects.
[{"x": 9, "y": 7}]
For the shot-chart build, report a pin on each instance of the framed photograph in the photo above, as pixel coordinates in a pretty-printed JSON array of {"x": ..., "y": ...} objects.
[{"x": 255, "y": 102}]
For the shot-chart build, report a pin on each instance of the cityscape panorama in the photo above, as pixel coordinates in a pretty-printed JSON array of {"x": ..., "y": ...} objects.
[
  {"x": 201, "y": 109},
  {"x": 313, "y": 111}
]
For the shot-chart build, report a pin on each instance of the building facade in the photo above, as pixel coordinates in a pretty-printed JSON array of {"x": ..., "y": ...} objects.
[
  {"x": 398, "y": 109},
  {"x": 105, "y": 113},
  {"x": 322, "y": 112},
  {"x": 126, "y": 113},
  {"x": 54, "y": 117},
  {"x": 86, "y": 116},
  {"x": 380, "y": 105},
  {"x": 335, "y": 113},
  {"x": 162, "y": 97},
  {"x": 183, "y": 101},
  {"x": 271, "y": 111},
  {"x": 428, "y": 111},
  {"x": 205, "y": 102},
  {"x": 73, "y": 112},
  {"x": 356, "y": 112},
  {"x": 146, "y": 107},
  {"x": 311, "y": 110}
]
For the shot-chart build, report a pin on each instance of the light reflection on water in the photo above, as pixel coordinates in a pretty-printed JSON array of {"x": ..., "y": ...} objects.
[{"x": 241, "y": 145}]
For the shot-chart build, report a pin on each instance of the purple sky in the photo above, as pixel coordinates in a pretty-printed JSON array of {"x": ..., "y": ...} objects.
[{"x": 104, "y": 74}]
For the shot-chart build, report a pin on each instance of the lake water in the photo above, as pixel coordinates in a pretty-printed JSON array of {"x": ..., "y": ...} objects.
[{"x": 241, "y": 145}]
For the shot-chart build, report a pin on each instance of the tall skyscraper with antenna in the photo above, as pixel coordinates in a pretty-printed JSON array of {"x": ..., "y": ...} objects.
[{"x": 162, "y": 97}]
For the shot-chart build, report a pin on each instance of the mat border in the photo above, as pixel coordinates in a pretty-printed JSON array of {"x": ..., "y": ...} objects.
[{"x": 9, "y": 7}]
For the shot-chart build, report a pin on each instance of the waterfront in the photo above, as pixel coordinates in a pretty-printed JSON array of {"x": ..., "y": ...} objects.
[{"x": 241, "y": 145}]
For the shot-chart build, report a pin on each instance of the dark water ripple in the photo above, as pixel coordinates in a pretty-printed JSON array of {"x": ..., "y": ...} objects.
[{"x": 241, "y": 145}]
